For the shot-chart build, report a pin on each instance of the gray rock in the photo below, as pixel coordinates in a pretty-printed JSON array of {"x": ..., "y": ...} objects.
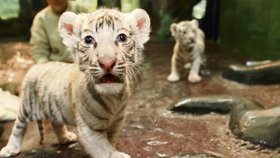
[{"x": 248, "y": 119}]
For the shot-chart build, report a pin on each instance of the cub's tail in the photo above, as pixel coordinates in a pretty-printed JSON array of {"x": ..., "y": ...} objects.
[{"x": 41, "y": 131}]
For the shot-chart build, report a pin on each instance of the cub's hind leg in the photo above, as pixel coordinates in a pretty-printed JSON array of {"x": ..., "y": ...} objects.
[
  {"x": 63, "y": 135},
  {"x": 28, "y": 111},
  {"x": 187, "y": 65},
  {"x": 15, "y": 140}
]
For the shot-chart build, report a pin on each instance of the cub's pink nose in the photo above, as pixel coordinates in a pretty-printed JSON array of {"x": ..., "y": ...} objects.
[{"x": 107, "y": 63}]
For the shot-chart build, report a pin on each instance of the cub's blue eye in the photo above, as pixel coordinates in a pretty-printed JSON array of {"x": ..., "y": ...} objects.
[
  {"x": 122, "y": 38},
  {"x": 89, "y": 40}
]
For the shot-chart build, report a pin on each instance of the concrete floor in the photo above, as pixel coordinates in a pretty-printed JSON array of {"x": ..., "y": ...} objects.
[{"x": 150, "y": 131}]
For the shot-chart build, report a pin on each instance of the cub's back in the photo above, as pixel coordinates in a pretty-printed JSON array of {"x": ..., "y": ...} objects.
[
  {"x": 49, "y": 87},
  {"x": 50, "y": 74},
  {"x": 52, "y": 80}
]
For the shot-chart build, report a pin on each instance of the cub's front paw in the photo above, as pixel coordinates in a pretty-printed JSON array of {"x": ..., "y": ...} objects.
[
  {"x": 117, "y": 154},
  {"x": 194, "y": 78},
  {"x": 9, "y": 151},
  {"x": 173, "y": 77},
  {"x": 69, "y": 137}
]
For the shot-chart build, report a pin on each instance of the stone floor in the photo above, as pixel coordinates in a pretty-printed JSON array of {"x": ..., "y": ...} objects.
[{"x": 150, "y": 131}]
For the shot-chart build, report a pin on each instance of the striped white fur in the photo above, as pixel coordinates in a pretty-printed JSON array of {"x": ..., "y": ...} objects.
[
  {"x": 93, "y": 92},
  {"x": 188, "y": 50}
]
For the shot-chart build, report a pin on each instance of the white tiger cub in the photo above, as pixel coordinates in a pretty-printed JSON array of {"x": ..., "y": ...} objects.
[
  {"x": 188, "y": 50},
  {"x": 93, "y": 92}
]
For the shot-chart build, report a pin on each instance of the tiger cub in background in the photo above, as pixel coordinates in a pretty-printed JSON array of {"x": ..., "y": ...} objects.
[
  {"x": 93, "y": 92},
  {"x": 188, "y": 50}
]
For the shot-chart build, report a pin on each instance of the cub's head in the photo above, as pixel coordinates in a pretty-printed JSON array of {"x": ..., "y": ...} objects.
[
  {"x": 185, "y": 32},
  {"x": 106, "y": 44}
]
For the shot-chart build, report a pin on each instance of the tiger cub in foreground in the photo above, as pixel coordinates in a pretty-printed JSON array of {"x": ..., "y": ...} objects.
[
  {"x": 93, "y": 92},
  {"x": 188, "y": 50}
]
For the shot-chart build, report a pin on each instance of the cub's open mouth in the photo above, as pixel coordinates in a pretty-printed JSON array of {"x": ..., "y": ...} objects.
[{"x": 109, "y": 78}]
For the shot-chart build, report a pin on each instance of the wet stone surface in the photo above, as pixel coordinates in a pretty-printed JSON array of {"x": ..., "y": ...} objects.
[
  {"x": 254, "y": 74},
  {"x": 150, "y": 130}
]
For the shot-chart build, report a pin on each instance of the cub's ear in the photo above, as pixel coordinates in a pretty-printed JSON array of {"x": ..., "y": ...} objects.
[
  {"x": 173, "y": 29},
  {"x": 141, "y": 24},
  {"x": 195, "y": 23},
  {"x": 68, "y": 28}
]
